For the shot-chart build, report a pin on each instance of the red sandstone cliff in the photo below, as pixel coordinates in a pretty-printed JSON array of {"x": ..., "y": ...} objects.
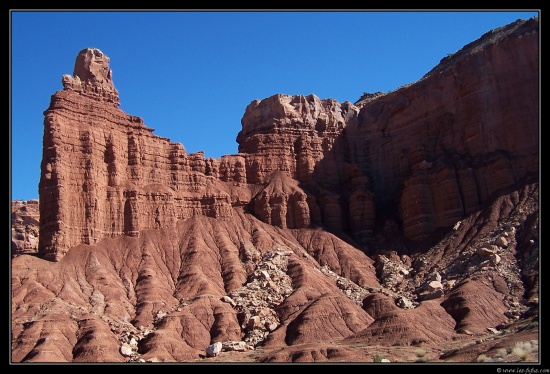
[
  {"x": 105, "y": 174},
  {"x": 428, "y": 153},
  {"x": 24, "y": 227},
  {"x": 311, "y": 243},
  {"x": 444, "y": 145}
]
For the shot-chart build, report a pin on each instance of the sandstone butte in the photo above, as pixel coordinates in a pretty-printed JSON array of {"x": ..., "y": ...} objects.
[{"x": 401, "y": 228}]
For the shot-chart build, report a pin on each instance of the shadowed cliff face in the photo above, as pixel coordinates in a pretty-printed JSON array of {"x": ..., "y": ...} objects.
[
  {"x": 444, "y": 145},
  {"x": 336, "y": 227}
]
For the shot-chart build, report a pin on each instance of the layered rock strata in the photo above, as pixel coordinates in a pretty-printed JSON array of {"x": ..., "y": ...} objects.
[
  {"x": 24, "y": 227},
  {"x": 424, "y": 155}
]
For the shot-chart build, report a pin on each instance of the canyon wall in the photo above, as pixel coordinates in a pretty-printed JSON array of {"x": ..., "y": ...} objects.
[
  {"x": 422, "y": 156},
  {"x": 468, "y": 129}
]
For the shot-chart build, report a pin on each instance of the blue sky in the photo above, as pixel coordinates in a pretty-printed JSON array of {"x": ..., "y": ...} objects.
[{"x": 190, "y": 75}]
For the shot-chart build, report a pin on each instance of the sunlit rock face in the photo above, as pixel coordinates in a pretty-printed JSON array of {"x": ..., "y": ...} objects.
[{"x": 424, "y": 155}]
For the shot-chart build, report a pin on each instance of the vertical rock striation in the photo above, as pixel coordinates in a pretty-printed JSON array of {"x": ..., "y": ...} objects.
[
  {"x": 423, "y": 156},
  {"x": 105, "y": 174},
  {"x": 443, "y": 145}
]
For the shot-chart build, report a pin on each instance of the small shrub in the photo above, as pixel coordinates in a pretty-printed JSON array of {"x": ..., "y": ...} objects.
[
  {"x": 524, "y": 349},
  {"x": 502, "y": 352},
  {"x": 484, "y": 358},
  {"x": 378, "y": 358}
]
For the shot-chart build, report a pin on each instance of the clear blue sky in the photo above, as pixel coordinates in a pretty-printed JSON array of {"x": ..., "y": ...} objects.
[{"x": 190, "y": 75}]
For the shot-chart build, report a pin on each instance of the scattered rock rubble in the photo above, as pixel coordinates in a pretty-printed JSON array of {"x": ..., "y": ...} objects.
[
  {"x": 350, "y": 289},
  {"x": 267, "y": 287}
]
